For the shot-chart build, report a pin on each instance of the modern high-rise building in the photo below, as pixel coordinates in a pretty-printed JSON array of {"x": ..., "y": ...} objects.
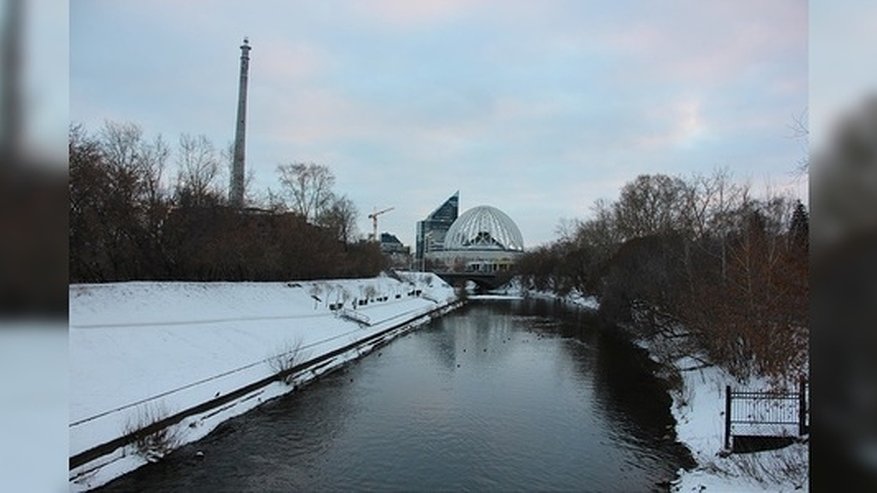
[{"x": 430, "y": 235}]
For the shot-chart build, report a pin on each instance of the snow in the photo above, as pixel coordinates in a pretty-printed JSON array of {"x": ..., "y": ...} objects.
[
  {"x": 700, "y": 425},
  {"x": 495, "y": 297},
  {"x": 176, "y": 345},
  {"x": 575, "y": 297},
  {"x": 170, "y": 346},
  {"x": 699, "y": 412}
]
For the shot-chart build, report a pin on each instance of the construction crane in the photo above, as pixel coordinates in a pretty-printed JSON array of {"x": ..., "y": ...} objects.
[{"x": 374, "y": 217}]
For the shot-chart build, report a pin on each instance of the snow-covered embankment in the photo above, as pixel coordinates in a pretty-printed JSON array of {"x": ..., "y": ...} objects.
[
  {"x": 698, "y": 408},
  {"x": 144, "y": 351}
]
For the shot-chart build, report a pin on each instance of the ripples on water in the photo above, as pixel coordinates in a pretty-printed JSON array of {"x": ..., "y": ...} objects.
[{"x": 500, "y": 395}]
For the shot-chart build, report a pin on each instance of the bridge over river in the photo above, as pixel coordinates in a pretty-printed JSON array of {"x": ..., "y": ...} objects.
[{"x": 484, "y": 280}]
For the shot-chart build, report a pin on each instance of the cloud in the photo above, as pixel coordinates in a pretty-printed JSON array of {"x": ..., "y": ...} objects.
[
  {"x": 708, "y": 44},
  {"x": 527, "y": 106},
  {"x": 285, "y": 62},
  {"x": 680, "y": 124},
  {"x": 414, "y": 14},
  {"x": 843, "y": 43}
]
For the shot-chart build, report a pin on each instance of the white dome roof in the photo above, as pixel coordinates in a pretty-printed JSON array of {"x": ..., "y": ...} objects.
[{"x": 484, "y": 228}]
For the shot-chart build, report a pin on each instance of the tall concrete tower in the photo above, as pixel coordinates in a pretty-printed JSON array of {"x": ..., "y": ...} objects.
[{"x": 236, "y": 190}]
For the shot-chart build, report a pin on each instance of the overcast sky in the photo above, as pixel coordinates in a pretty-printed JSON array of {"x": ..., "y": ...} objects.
[{"x": 537, "y": 108}]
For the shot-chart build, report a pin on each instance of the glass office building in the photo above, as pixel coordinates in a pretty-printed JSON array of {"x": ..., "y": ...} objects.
[{"x": 430, "y": 235}]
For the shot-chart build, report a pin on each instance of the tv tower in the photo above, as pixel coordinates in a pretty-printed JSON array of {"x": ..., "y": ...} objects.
[{"x": 236, "y": 190}]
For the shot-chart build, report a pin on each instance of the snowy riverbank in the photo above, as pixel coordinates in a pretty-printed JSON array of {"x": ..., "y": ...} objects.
[
  {"x": 144, "y": 350},
  {"x": 699, "y": 412},
  {"x": 574, "y": 297},
  {"x": 698, "y": 408}
]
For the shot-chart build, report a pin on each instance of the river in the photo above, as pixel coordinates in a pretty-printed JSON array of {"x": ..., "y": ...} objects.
[{"x": 497, "y": 396}]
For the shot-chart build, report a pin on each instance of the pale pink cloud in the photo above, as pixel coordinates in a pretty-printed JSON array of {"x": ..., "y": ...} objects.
[
  {"x": 410, "y": 13},
  {"x": 678, "y": 124},
  {"x": 284, "y": 61},
  {"x": 711, "y": 42},
  {"x": 312, "y": 114}
]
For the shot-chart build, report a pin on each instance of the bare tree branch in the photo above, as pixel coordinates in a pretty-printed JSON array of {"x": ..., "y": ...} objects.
[{"x": 309, "y": 186}]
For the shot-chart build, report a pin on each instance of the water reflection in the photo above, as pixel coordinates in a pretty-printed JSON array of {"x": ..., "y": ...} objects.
[{"x": 497, "y": 396}]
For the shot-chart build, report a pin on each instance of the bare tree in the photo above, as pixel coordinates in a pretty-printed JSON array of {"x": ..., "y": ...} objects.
[
  {"x": 650, "y": 204},
  {"x": 566, "y": 229},
  {"x": 152, "y": 161},
  {"x": 272, "y": 201},
  {"x": 309, "y": 186},
  {"x": 137, "y": 166},
  {"x": 340, "y": 218},
  {"x": 711, "y": 209},
  {"x": 601, "y": 231},
  {"x": 800, "y": 128},
  {"x": 700, "y": 197},
  {"x": 760, "y": 308},
  {"x": 198, "y": 170},
  {"x": 119, "y": 201},
  {"x": 122, "y": 226},
  {"x": 120, "y": 143}
]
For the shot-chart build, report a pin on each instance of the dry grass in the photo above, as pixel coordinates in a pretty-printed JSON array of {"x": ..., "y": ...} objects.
[
  {"x": 784, "y": 466},
  {"x": 285, "y": 358},
  {"x": 155, "y": 445}
]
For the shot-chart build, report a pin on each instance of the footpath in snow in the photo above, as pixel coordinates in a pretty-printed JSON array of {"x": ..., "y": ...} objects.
[{"x": 146, "y": 350}]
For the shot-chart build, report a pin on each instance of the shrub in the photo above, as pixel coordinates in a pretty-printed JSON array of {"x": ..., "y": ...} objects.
[
  {"x": 154, "y": 445},
  {"x": 285, "y": 358}
]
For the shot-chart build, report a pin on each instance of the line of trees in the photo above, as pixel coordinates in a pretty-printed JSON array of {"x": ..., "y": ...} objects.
[
  {"x": 698, "y": 259},
  {"x": 130, "y": 221}
]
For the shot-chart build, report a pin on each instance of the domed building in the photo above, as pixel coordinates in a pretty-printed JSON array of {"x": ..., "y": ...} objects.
[{"x": 482, "y": 239}]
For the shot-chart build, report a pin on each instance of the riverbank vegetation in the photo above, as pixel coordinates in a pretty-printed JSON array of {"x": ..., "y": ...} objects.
[
  {"x": 129, "y": 220},
  {"x": 698, "y": 260}
]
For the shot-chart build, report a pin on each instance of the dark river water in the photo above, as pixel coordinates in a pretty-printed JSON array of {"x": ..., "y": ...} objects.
[{"x": 496, "y": 396}]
